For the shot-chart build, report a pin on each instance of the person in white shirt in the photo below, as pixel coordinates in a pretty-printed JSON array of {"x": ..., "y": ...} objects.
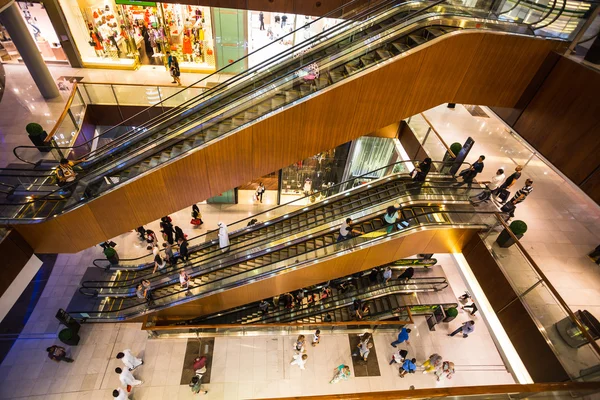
[
  {"x": 491, "y": 186},
  {"x": 127, "y": 378},
  {"x": 299, "y": 360},
  {"x": 316, "y": 338},
  {"x": 129, "y": 360},
  {"x": 120, "y": 394}
]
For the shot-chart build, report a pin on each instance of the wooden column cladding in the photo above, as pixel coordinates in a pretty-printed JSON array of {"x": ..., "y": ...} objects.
[{"x": 470, "y": 67}]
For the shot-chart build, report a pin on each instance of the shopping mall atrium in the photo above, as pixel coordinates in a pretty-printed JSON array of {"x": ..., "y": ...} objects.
[{"x": 299, "y": 199}]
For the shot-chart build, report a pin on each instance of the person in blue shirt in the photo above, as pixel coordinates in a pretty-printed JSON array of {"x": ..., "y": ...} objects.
[
  {"x": 402, "y": 337},
  {"x": 466, "y": 329},
  {"x": 408, "y": 367},
  {"x": 468, "y": 175}
]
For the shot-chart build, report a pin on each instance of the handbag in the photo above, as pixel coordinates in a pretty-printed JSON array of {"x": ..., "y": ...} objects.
[
  {"x": 129, "y": 388},
  {"x": 464, "y": 172},
  {"x": 195, "y": 221}
]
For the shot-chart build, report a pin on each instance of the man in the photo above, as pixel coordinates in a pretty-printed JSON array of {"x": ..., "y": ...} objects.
[
  {"x": 469, "y": 175},
  {"x": 364, "y": 348},
  {"x": 522, "y": 193},
  {"x": 402, "y": 337},
  {"x": 183, "y": 249},
  {"x": 120, "y": 394},
  {"x": 466, "y": 328},
  {"x": 169, "y": 60},
  {"x": 387, "y": 274},
  {"x": 127, "y": 378},
  {"x": 408, "y": 367},
  {"x": 129, "y": 360},
  {"x": 261, "y": 19},
  {"x": 399, "y": 357},
  {"x": 58, "y": 354},
  {"x": 491, "y": 186},
  {"x": 65, "y": 172},
  {"x": 510, "y": 181},
  {"x": 346, "y": 231}
]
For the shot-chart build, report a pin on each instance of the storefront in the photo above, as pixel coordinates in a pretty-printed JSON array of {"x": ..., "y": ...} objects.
[
  {"x": 127, "y": 33},
  {"x": 41, "y": 29}
]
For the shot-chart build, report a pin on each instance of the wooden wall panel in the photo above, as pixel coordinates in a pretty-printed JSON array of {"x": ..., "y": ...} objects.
[
  {"x": 497, "y": 74},
  {"x": 190, "y": 173},
  {"x": 591, "y": 186},
  {"x": 110, "y": 219},
  {"x": 80, "y": 224},
  {"x": 272, "y": 6},
  {"x": 47, "y": 237},
  {"x": 335, "y": 267},
  {"x": 16, "y": 253},
  {"x": 389, "y": 132}
]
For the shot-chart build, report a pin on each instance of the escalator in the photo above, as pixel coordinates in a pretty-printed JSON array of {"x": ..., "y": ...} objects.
[
  {"x": 339, "y": 55},
  {"x": 383, "y": 301},
  {"x": 283, "y": 256},
  {"x": 205, "y": 248}
]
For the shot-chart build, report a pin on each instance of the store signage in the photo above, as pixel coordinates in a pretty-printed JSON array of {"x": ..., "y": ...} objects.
[{"x": 136, "y": 3}]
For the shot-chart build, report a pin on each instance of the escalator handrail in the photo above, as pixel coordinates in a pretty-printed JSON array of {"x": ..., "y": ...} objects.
[
  {"x": 214, "y": 254},
  {"x": 316, "y": 38},
  {"x": 366, "y": 175},
  {"x": 219, "y": 86},
  {"x": 254, "y": 278}
]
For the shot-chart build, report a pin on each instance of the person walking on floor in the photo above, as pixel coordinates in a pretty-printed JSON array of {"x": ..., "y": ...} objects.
[
  {"x": 196, "y": 216},
  {"x": 129, "y": 360},
  {"x": 508, "y": 183},
  {"x": 466, "y": 328},
  {"x": 408, "y": 367},
  {"x": 519, "y": 197},
  {"x": 260, "y": 190},
  {"x": 402, "y": 337},
  {"x": 58, "y": 354},
  {"x": 120, "y": 394},
  {"x": 299, "y": 345},
  {"x": 223, "y": 236},
  {"x": 126, "y": 377},
  {"x": 363, "y": 349},
  {"x": 175, "y": 72},
  {"x": 299, "y": 360},
  {"x": 179, "y": 234},
  {"x": 469, "y": 174},
  {"x": 432, "y": 363},
  {"x": 447, "y": 369},
  {"x": 196, "y": 385},
  {"x": 261, "y": 19},
  {"x": 342, "y": 373}
]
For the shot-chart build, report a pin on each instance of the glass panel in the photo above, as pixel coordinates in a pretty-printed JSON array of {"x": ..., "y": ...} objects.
[{"x": 100, "y": 94}]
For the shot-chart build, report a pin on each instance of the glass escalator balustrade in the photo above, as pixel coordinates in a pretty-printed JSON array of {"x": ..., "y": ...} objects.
[{"x": 389, "y": 29}]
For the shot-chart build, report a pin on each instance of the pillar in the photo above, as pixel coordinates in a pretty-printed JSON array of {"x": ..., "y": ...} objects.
[{"x": 15, "y": 25}]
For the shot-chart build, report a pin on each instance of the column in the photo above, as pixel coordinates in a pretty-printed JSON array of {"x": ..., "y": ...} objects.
[{"x": 15, "y": 25}]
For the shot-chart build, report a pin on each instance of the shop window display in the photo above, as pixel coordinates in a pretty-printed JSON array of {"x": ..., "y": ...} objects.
[{"x": 41, "y": 30}]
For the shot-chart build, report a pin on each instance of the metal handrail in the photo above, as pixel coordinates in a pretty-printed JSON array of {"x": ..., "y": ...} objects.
[
  {"x": 550, "y": 287},
  {"x": 560, "y": 12},
  {"x": 60, "y": 119},
  {"x": 439, "y": 136}
]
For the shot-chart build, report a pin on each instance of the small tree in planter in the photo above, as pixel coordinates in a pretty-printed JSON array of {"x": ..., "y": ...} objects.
[
  {"x": 448, "y": 159},
  {"x": 451, "y": 313},
  {"x": 37, "y": 135},
  {"x": 518, "y": 228}
]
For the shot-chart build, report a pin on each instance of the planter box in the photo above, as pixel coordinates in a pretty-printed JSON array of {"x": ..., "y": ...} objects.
[{"x": 505, "y": 240}]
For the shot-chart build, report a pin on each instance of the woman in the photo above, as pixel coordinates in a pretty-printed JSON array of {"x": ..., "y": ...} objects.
[
  {"x": 175, "y": 72},
  {"x": 446, "y": 369},
  {"x": 179, "y": 234},
  {"x": 390, "y": 217},
  {"x": 169, "y": 256},
  {"x": 184, "y": 282},
  {"x": 159, "y": 262},
  {"x": 342, "y": 373},
  {"x": 260, "y": 190},
  {"x": 196, "y": 216},
  {"x": 433, "y": 363},
  {"x": 299, "y": 345},
  {"x": 422, "y": 170}
]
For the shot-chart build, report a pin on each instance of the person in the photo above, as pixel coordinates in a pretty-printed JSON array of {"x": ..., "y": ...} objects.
[
  {"x": 184, "y": 282},
  {"x": 365, "y": 337},
  {"x": 447, "y": 369},
  {"x": 387, "y": 274},
  {"x": 432, "y": 363},
  {"x": 179, "y": 234},
  {"x": 287, "y": 299},
  {"x": 522, "y": 193},
  {"x": 58, "y": 354},
  {"x": 299, "y": 296},
  {"x": 346, "y": 230},
  {"x": 363, "y": 349},
  {"x": 390, "y": 217},
  {"x": 169, "y": 61},
  {"x": 328, "y": 318},
  {"x": 223, "y": 236},
  {"x": 406, "y": 275},
  {"x": 307, "y": 187},
  {"x": 263, "y": 306},
  {"x": 196, "y": 386},
  {"x": 127, "y": 378},
  {"x": 299, "y": 360},
  {"x": 509, "y": 182},
  {"x": 325, "y": 292},
  {"x": 595, "y": 255},
  {"x": 466, "y": 328},
  {"x": 129, "y": 360},
  {"x": 402, "y": 337},
  {"x": 167, "y": 229},
  {"x": 196, "y": 215},
  {"x": 472, "y": 306},
  {"x": 175, "y": 72},
  {"x": 159, "y": 262},
  {"x": 120, "y": 394},
  {"x": 252, "y": 222},
  {"x": 316, "y": 338},
  {"x": 65, "y": 172},
  {"x": 151, "y": 238},
  {"x": 261, "y": 19},
  {"x": 422, "y": 170},
  {"x": 283, "y": 20},
  {"x": 342, "y": 373},
  {"x": 299, "y": 345},
  {"x": 357, "y": 308},
  {"x": 469, "y": 174},
  {"x": 141, "y": 232},
  {"x": 491, "y": 187},
  {"x": 260, "y": 190},
  {"x": 183, "y": 250},
  {"x": 143, "y": 291},
  {"x": 374, "y": 276},
  {"x": 408, "y": 367},
  {"x": 169, "y": 256},
  {"x": 398, "y": 357}
]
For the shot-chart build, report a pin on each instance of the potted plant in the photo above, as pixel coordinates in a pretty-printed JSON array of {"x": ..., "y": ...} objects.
[
  {"x": 451, "y": 313},
  {"x": 518, "y": 228},
  {"x": 449, "y": 159},
  {"x": 37, "y": 135},
  {"x": 69, "y": 337}
]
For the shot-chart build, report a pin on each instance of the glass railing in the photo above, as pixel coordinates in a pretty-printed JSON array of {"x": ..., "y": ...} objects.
[
  {"x": 442, "y": 218},
  {"x": 428, "y": 137},
  {"x": 545, "y": 305},
  {"x": 305, "y": 203}
]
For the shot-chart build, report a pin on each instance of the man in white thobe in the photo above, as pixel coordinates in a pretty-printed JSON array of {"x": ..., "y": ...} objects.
[
  {"x": 126, "y": 377},
  {"x": 120, "y": 394},
  {"x": 299, "y": 360},
  {"x": 130, "y": 361}
]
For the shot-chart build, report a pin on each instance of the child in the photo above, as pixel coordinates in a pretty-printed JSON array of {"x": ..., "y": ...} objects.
[
  {"x": 316, "y": 337},
  {"x": 299, "y": 345}
]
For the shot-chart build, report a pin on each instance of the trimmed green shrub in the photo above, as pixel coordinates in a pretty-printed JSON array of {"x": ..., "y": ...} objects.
[
  {"x": 452, "y": 312},
  {"x": 34, "y": 129},
  {"x": 518, "y": 227},
  {"x": 455, "y": 148}
]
